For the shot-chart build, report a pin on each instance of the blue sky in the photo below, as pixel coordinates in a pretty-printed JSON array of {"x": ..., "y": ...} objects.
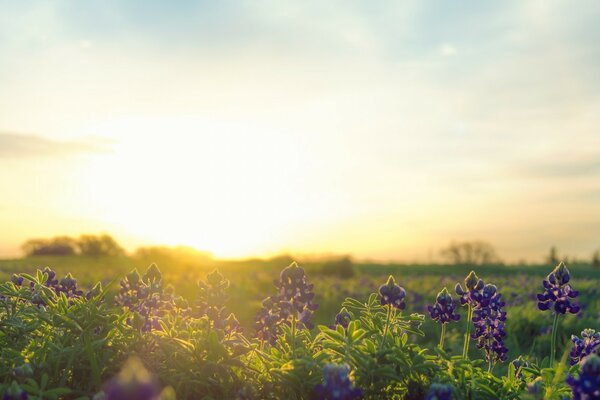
[{"x": 383, "y": 130}]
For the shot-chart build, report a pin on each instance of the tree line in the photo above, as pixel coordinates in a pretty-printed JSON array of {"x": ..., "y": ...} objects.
[{"x": 85, "y": 245}]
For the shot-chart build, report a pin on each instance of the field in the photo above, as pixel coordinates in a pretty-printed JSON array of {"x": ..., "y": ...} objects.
[{"x": 528, "y": 330}]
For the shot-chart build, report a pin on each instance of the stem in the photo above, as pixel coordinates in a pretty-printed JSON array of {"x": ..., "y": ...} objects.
[
  {"x": 293, "y": 335},
  {"x": 553, "y": 342},
  {"x": 443, "y": 336},
  {"x": 387, "y": 326},
  {"x": 468, "y": 333}
]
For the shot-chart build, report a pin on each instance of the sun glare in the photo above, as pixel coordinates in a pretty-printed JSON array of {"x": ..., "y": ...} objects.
[{"x": 211, "y": 185}]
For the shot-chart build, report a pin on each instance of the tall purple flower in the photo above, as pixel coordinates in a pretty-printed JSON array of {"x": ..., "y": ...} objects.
[
  {"x": 489, "y": 319},
  {"x": 558, "y": 292},
  {"x": 337, "y": 384},
  {"x": 392, "y": 294},
  {"x": 211, "y": 302},
  {"x": 519, "y": 363},
  {"x": 472, "y": 292},
  {"x": 584, "y": 346},
  {"x": 439, "y": 391},
  {"x": 134, "y": 382},
  {"x": 343, "y": 318},
  {"x": 587, "y": 385},
  {"x": 15, "y": 392},
  {"x": 443, "y": 309},
  {"x": 294, "y": 299}
]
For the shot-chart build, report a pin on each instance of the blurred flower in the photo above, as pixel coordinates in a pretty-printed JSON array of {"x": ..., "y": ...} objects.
[
  {"x": 535, "y": 388},
  {"x": 443, "y": 309},
  {"x": 584, "y": 346},
  {"x": 439, "y": 391},
  {"x": 15, "y": 392},
  {"x": 489, "y": 319},
  {"x": 392, "y": 294},
  {"x": 519, "y": 363},
  {"x": 337, "y": 384},
  {"x": 343, "y": 318},
  {"x": 134, "y": 382},
  {"x": 558, "y": 293},
  {"x": 587, "y": 385},
  {"x": 211, "y": 302}
]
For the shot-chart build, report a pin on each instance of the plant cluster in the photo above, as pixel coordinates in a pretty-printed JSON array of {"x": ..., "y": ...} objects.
[{"x": 147, "y": 343}]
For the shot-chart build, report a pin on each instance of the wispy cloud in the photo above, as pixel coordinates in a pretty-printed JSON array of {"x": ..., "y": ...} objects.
[{"x": 13, "y": 145}]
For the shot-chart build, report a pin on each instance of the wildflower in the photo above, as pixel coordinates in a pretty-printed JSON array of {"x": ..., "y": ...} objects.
[
  {"x": 15, "y": 392},
  {"x": 294, "y": 299},
  {"x": 134, "y": 382},
  {"x": 392, "y": 294},
  {"x": 558, "y": 292},
  {"x": 587, "y": 385},
  {"x": 584, "y": 346},
  {"x": 472, "y": 292},
  {"x": 343, "y": 318},
  {"x": 489, "y": 319},
  {"x": 337, "y": 384},
  {"x": 439, "y": 391},
  {"x": 443, "y": 309},
  {"x": 211, "y": 303},
  {"x": 519, "y": 363}
]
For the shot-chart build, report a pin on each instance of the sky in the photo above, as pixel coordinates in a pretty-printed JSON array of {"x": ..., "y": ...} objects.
[{"x": 384, "y": 130}]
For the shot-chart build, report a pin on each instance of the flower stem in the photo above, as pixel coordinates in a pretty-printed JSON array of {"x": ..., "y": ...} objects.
[
  {"x": 387, "y": 326},
  {"x": 293, "y": 335},
  {"x": 468, "y": 333},
  {"x": 553, "y": 341},
  {"x": 443, "y": 336}
]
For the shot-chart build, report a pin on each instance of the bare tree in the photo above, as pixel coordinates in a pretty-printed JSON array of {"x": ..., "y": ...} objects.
[{"x": 470, "y": 253}]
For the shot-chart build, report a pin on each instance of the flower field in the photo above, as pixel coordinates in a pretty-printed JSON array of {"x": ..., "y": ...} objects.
[{"x": 103, "y": 330}]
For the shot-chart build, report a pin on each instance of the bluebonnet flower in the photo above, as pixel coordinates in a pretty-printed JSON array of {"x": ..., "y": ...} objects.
[
  {"x": 558, "y": 292},
  {"x": 15, "y": 392},
  {"x": 134, "y": 382},
  {"x": 489, "y": 319},
  {"x": 337, "y": 384},
  {"x": 294, "y": 298},
  {"x": 587, "y": 385},
  {"x": 472, "y": 292},
  {"x": 392, "y": 294},
  {"x": 439, "y": 391},
  {"x": 443, "y": 309},
  {"x": 148, "y": 299},
  {"x": 519, "y": 363},
  {"x": 211, "y": 302},
  {"x": 584, "y": 346},
  {"x": 343, "y": 318}
]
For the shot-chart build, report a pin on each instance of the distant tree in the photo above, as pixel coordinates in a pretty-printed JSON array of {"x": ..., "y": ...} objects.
[
  {"x": 57, "y": 246},
  {"x": 596, "y": 259},
  {"x": 552, "y": 257},
  {"x": 470, "y": 253},
  {"x": 342, "y": 267},
  {"x": 102, "y": 245}
]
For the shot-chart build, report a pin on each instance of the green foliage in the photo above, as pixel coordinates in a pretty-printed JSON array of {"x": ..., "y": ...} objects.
[{"x": 57, "y": 346}]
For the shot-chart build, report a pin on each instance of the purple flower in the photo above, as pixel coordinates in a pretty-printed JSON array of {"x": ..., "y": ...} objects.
[
  {"x": 15, "y": 392},
  {"x": 134, "y": 382},
  {"x": 211, "y": 302},
  {"x": 558, "y": 293},
  {"x": 519, "y": 364},
  {"x": 489, "y": 319},
  {"x": 472, "y": 292},
  {"x": 294, "y": 298},
  {"x": 337, "y": 384},
  {"x": 439, "y": 391},
  {"x": 584, "y": 346},
  {"x": 392, "y": 294},
  {"x": 343, "y": 318},
  {"x": 443, "y": 309},
  {"x": 587, "y": 385}
]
